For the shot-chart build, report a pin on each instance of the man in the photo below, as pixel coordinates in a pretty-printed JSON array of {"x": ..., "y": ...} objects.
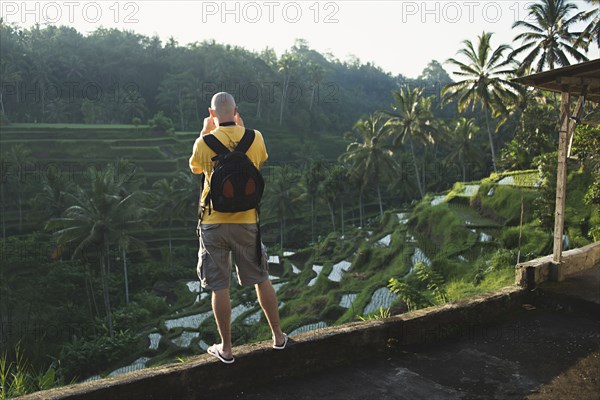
[{"x": 225, "y": 234}]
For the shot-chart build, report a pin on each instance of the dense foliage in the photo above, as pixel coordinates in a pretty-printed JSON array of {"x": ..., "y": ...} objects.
[
  {"x": 94, "y": 257},
  {"x": 56, "y": 74}
]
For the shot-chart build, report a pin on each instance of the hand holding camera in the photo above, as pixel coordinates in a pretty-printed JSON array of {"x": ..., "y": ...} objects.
[{"x": 209, "y": 125}]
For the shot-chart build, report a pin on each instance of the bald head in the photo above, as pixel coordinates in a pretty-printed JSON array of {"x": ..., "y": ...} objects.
[{"x": 223, "y": 106}]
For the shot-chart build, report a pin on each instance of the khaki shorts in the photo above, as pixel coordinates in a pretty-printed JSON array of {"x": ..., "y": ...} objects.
[{"x": 218, "y": 243}]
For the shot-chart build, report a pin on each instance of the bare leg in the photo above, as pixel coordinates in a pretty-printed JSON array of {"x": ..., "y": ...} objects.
[
  {"x": 221, "y": 305},
  {"x": 268, "y": 302}
]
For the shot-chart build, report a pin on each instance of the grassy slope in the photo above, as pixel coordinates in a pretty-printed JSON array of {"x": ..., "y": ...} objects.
[{"x": 445, "y": 234}]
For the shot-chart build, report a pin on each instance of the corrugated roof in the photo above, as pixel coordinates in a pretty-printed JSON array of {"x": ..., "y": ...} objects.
[{"x": 571, "y": 79}]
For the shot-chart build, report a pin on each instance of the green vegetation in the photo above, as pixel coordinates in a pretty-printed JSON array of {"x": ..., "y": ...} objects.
[
  {"x": 382, "y": 313},
  {"x": 456, "y": 263},
  {"x": 485, "y": 81},
  {"x": 547, "y": 41},
  {"x": 19, "y": 377},
  {"x": 392, "y": 198}
]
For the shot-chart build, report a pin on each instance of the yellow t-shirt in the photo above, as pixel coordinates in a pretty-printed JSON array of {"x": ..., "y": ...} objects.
[{"x": 201, "y": 162}]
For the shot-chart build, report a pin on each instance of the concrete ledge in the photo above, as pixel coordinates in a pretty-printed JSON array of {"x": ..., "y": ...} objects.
[
  {"x": 258, "y": 363},
  {"x": 535, "y": 272}
]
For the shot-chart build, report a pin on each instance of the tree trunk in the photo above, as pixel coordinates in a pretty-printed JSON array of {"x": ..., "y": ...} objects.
[
  {"x": 89, "y": 279},
  {"x": 125, "y": 273},
  {"x": 43, "y": 101},
  {"x": 283, "y": 98},
  {"x": 360, "y": 208},
  {"x": 104, "y": 269},
  {"x": 196, "y": 111},
  {"x": 380, "y": 203},
  {"x": 312, "y": 219},
  {"x": 2, "y": 104},
  {"x": 342, "y": 208},
  {"x": 412, "y": 150},
  {"x": 258, "y": 104},
  {"x": 282, "y": 228},
  {"x": 2, "y": 215},
  {"x": 423, "y": 172},
  {"x": 180, "y": 109},
  {"x": 170, "y": 263},
  {"x": 332, "y": 214},
  {"x": 487, "y": 121},
  {"x": 88, "y": 293},
  {"x": 464, "y": 172},
  {"x": 20, "y": 201}
]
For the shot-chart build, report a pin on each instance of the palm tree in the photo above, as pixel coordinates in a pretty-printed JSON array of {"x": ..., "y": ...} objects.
[
  {"x": 403, "y": 189},
  {"x": 9, "y": 74},
  {"x": 308, "y": 153},
  {"x": 591, "y": 33},
  {"x": 19, "y": 156},
  {"x": 269, "y": 57},
  {"x": 40, "y": 66},
  {"x": 328, "y": 190},
  {"x": 4, "y": 174},
  {"x": 286, "y": 66},
  {"x": 370, "y": 157},
  {"x": 169, "y": 198},
  {"x": 281, "y": 197},
  {"x": 262, "y": 72},
  {"x": 461, "y": 143},
  {"x": 96, "y": 218},
  {"x": 335, "y": 186},
  {"x": 316, "y": 76},
  {"x": 485, "y": 81},
  {"x": 135, "y": 221},
  {"x": 12, "y": 63},
  {"x": 412, "y": 121},
  {"x": 548, "y": 39},
  {"x": 175, "y": 93},
  {"x": 191, "y": 192},
  {"x": 345, "y": 190},
  {"x": 133, "y": 105},
  {"x": 53, "y": 197},
  {"x": 311, "y": 180}
]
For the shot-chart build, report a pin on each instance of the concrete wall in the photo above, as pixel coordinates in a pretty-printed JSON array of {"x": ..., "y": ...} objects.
[
  {"x": 257, "y": 363},
  {"x": 534, "y": 272}
]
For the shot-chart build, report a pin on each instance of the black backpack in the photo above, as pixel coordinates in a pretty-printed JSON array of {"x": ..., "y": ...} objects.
[{"x": 236, "y": 184}]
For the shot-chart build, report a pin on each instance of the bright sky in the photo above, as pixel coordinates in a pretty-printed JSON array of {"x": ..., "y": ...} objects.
[{"x": 399, "y": 36}]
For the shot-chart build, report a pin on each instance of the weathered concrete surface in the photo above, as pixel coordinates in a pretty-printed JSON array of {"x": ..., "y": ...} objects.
[
  {"x": 532, "y": 353},
  {"x": 257, "y": 364},
  {"x": 543, "y": 269},
  {"x": 535, "y": 353},
  {"x": 577, "y": 382}
]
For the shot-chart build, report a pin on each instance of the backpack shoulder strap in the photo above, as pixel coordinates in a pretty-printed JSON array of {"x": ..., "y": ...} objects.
[
  {"x": 215, "y": 144},
  {"x": 246, "y": 141}
]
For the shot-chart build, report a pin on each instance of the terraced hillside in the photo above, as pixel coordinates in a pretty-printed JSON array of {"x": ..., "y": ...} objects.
[
  {"x": 71, "y": 149},
  {"x": 450, "y": 245}
]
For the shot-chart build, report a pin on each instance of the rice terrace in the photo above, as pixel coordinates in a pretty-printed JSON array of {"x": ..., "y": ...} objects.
[{"x": 425, "y": 214}]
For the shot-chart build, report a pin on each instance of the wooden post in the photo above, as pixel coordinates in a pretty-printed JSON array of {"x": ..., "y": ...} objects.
[
  {"x": 561, "y": 177},
  {"x": 576, "y": 117}
]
